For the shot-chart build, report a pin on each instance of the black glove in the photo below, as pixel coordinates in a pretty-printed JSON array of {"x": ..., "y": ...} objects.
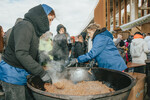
[
  {"x": 46, "y": 78},
  {"x": 67, "y": 62}
]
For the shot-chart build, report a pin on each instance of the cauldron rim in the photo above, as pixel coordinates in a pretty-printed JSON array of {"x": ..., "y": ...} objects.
[{"x": 62, "y": 96}]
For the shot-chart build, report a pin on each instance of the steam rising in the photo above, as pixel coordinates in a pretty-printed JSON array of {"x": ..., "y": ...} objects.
[{"x": 56, "y": 71}]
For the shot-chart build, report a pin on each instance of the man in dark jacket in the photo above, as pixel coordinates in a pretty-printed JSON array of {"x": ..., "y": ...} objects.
[{"x": 21, "y": 54}]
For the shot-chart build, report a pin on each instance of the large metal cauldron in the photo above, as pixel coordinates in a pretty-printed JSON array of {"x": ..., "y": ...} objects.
[{"x": 119, "y": 81}]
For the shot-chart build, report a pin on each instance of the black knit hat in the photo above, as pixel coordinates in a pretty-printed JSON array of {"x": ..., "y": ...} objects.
[{"x": 138, "y": 33}]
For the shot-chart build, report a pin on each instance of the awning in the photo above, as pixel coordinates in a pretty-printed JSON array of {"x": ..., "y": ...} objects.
[{"x": 137, "y": 22}]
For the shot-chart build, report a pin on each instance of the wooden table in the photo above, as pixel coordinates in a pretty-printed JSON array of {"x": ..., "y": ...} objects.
[{"x": 131, "y": 65}]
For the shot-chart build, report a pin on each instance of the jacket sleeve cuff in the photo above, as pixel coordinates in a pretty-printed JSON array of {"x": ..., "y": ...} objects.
[
  {"x": 78, "y": 60},
  {"x": 43, "y": 73}
]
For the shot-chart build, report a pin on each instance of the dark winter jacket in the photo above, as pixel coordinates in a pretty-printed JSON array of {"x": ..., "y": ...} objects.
[
  {"x": 84, "y": 35},
  {"x": 60, "y": 49},
  {"x": 22, "y": 49},
  {"x": 7, "y": 34},
  {"x": 78, "y": 49},
  {"x": 85, "y": 42},
  {"x": 121, "y": 44},
  {"x": 104, "y": 51}
]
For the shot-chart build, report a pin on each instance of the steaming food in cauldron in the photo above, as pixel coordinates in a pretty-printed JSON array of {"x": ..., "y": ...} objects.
[
  {"x": 119, "y": 81},
  {"x": 66, "y": 87},
  {"x": 73, "y": 81}
]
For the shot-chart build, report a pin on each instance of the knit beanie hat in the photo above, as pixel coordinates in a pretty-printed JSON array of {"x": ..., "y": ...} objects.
[
  {"x": 47, "y": 8},
  {"x": 138, "y": 33}
]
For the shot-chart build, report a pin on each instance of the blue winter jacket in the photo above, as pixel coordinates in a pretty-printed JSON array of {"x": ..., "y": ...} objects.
[
  {"x": 105, "y": 53},
  {"x": 13, "y": 75}
]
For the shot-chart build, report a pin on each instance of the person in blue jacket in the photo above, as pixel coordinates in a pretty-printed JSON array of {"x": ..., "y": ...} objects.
[{"x": 103, "y": 51}]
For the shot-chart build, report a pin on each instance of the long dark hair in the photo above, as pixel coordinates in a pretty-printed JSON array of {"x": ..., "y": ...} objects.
[{"x": 52, "y": 13}]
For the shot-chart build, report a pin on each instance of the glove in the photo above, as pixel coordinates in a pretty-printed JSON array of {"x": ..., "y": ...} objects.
[
  {"x": 46, "y": 78},
  {"x": 67, "y": 62},
  {"x": 72, "y": 62}
]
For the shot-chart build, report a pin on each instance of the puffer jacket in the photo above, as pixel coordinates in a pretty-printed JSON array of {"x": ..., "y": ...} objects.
[
  {"x": 104, "y": 51},
  {"x": 138, "y": 50},
  {"x": 147, "y": 39}
]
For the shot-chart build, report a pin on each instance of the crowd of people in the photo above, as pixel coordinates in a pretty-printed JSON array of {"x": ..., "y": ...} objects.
[
  {"x": 21, "y": 45},
  {"x": 135, "y": 48}
]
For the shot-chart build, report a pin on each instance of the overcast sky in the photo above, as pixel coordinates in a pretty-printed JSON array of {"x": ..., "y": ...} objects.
[{"x": 74, "y": 14}]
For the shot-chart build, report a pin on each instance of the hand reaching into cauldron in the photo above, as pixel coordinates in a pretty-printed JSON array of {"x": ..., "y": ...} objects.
[
  {"x": 70, "y": 62},
  {"x": 46, "y": 78},
  {"x": 91, "y": 63}
]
